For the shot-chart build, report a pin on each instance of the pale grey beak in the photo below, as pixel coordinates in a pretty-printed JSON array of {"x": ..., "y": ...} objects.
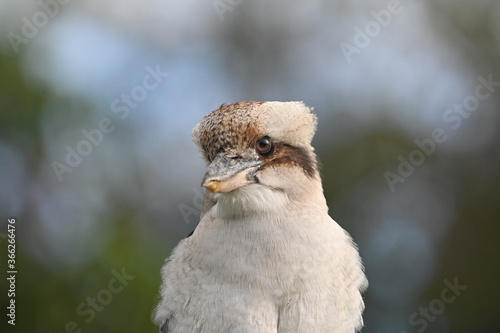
[{"x": 227, "y": 173}]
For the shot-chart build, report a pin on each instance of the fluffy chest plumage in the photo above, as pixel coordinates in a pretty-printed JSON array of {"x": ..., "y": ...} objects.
[
  {"x": 268, "y": 251},
  {"x": 244, "y": 271}
]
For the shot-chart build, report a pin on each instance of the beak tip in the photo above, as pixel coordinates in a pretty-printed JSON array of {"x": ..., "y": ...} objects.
[{"x": 212, "y": 186}]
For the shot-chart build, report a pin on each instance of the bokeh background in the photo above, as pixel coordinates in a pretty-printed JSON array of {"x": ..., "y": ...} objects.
[{"x": 379, "y": 74}]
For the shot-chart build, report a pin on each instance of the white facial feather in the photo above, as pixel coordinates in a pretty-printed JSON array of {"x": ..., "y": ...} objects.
[
  {"x": 289, "y": 122},
  {"x": 252, "y": 199}
]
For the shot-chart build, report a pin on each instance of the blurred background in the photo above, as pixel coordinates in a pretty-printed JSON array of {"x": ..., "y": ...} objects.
[{"x": 97, "y": 103}]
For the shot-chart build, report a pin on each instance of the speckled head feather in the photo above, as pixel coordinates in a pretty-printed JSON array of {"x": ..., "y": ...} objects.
[{"x": 241, "y": 124}]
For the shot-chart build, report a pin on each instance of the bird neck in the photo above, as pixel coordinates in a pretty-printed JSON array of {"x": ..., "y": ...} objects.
[{"x": 256, "y": 199}]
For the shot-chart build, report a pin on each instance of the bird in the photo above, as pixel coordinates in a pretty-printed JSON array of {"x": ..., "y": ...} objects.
[{"x": 266, "y": 257}]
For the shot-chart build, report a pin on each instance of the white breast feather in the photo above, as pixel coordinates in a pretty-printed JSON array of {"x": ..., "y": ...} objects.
[{"x": 297, "y": 272}]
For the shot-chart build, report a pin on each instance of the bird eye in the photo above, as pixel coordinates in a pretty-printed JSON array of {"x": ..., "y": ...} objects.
[{"x": 264, "y": 145}]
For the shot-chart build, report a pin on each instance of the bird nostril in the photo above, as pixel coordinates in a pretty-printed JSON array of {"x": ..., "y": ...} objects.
[{"x": 236, "y": 157}]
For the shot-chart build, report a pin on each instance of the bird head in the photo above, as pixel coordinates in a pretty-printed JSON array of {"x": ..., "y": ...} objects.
[{"x": 259, "y": 146}]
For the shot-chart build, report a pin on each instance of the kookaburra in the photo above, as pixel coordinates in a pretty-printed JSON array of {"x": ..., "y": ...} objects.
[{"x": 266, "y": 257}]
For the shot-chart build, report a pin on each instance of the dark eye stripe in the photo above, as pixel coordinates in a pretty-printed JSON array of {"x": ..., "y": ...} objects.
[{"x": 291, "y": 155}]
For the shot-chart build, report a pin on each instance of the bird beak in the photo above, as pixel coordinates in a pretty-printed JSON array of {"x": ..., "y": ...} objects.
[{"x": 226, "y": 174}]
